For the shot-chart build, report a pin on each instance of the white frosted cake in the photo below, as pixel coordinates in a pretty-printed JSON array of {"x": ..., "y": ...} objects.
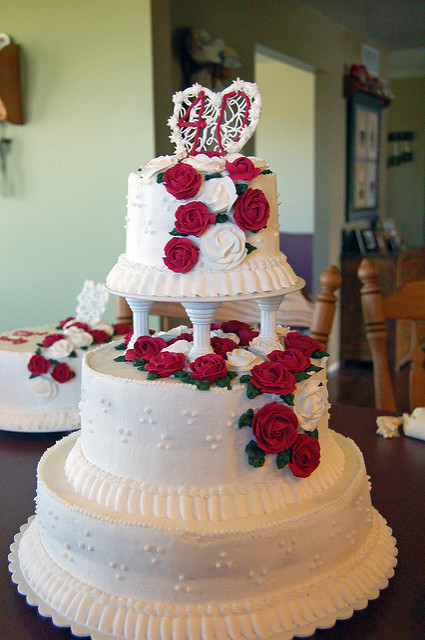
[
  {"x": 40, "y": 373},
  {"x": 205, "y": 497}
]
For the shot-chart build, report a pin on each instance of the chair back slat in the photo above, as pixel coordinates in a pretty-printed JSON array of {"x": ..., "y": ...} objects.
[{"x": 407, "y": 303}]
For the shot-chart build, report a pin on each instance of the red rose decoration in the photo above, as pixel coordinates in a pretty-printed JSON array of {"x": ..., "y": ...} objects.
[
  {"x": 81, "y": 325},
  {"x": 209, "y": 367},
  {"x": 145, "y": 347},
  {"x": 182, "y": 181},
  {"x": 252, "y": 210},
  {"x": 99, "y": 336},
  {"x": 292, "y": 359},
  {"x": 38, "y": 365},
  {"x": 273, "y": 377},
  {"x": 246, "y": 335},
  {"x": 182, "y": 336},
  {"x": 222, "y": 345},
  {"x": 242, "y": 169},
  {"x": 62, "y": 373},
  {"x": 302, "y": 342},
  {"x": 62, "y": 323},
  {"x": 274, "y": 427},
  {"x": 243, "y": 330},
  {"x": 128, "y": 337},
  {"x": 193, "y": 218},
  {"x": 233, "y": 326},
  {"x": 305, "y": 456},
  {"x": 122, "y": 329},
  {"x": 51, "y": 339},
  {"x": 181, "y": 255},
  {"x": 166, "y": 363}
]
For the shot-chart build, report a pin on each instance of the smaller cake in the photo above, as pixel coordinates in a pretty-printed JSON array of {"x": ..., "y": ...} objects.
[{"x": 40, "y": 367}]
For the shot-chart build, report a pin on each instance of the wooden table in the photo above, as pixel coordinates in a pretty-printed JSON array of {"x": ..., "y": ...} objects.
[{"x": 397, "y": 469}]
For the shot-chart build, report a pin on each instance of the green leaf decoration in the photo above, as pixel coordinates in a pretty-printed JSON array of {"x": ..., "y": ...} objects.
[
  {"x": 252, "y": 391},
  {"x": 53, "y": 362},
  {"x": 32, "y": 376},
  {"x": 225, "y": 382},
  {"x": 202, "y": 385},
  {"x": 244, "y": 379},
  {"x": 181, "y": 374},
  {"x": 301, "y": 375},
  {"x": 256, "y": 456},
  {"x": 320, "y": 354},
  {"x": 139, "y": 362},
  {"x": 314, "y": 368},
  {"x": 289, "y": 399},
  {"x": 249, "y": 248},
  {"x": 160, "y": 177},
  {"x": 282, "y": 458},
  {"x": 121, "y": 347},
  {"x": 314, "y": 434},
  {"x": 266, "y": 171},
  {"x": 153, "y": 376},
  {"x": 39, "y": 344},
  {"x": 120, "y": 359},
  {"x": 174, "y": 232},
  {"x": 246, "y": 419},
  {"x": 209, "y": 176},
  {"x": 221, "y": 217},
  {"x": 241, "y": 187},
  {"x": 38, "y": 352},
  {"x": 85, "y": 348},
  {"x": 72, "y": 354}
]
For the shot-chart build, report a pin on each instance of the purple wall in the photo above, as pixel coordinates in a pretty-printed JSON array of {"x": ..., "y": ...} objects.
[{"x": 298, "y": 248}]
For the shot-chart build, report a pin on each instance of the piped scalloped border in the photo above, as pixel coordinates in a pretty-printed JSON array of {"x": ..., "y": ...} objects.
[
  {"x": 222, "y": 503},
  {"x": 39, "y": 420},
  {"x": 133, "y": 279},
  {"x": 289, "y": 613}
]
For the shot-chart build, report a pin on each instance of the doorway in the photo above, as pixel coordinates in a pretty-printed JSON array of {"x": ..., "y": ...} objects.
[{"x": 285, "y": 136}]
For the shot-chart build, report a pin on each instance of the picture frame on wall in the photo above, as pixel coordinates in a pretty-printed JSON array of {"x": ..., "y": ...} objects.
[{"x": 363, "y": 155}]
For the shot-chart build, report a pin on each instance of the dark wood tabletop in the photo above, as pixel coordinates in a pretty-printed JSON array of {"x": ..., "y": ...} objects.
[{"x": 397, "y": 470}]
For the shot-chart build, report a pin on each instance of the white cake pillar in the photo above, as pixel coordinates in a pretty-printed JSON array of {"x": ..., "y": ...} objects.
[
  {"x": 140, "y": 309},
  {"x": 268, "y": 308},
  {"x": 201, "y": 315}
]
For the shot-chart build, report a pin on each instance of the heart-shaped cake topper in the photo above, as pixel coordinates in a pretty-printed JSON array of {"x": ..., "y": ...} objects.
[{"x": 221, "y": 122}]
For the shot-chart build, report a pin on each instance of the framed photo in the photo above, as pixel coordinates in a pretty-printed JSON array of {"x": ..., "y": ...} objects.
[{"x": 363, "y": 131}]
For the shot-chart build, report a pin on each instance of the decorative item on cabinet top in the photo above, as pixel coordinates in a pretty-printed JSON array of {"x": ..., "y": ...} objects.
[{"x": 10, "y": 81}]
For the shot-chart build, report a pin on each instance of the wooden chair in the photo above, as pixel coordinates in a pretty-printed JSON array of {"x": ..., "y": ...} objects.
[
  {"x": 296, "y": 311},
  {"x": 407, "y": 303}
]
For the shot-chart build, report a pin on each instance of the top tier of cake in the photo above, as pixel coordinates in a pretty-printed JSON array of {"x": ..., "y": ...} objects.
[{"x": 203, "y": 223}]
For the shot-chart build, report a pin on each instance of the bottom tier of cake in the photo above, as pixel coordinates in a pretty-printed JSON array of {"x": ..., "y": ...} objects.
[{"x": 110, "y": 574}]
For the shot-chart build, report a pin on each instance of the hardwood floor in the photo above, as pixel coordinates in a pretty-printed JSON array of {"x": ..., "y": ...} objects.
[{"x": 352, "y": 384}]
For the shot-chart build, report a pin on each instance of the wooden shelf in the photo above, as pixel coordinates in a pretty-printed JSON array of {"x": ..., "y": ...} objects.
[{"x": 353, "y": 87}]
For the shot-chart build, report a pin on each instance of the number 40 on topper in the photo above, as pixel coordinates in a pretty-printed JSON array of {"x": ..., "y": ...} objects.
[{"x": 206, "y": 121}]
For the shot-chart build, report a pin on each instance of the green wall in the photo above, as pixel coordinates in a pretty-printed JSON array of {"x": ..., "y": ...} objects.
[{"x": 88, "y": 101}]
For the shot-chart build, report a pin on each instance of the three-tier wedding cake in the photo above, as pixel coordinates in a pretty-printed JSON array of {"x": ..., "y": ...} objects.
[{"x": 205, "y": 497}]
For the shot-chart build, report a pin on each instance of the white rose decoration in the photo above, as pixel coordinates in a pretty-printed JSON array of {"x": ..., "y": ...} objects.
[
  {"x": 310, "y": 403},
  {"x": 219, "y": 333},
  {"x": 180, "y": 346},
  {"x": 263, "y": 346},
  {"x": 222, "y": 246},
  {"x": 175, "y": 332},
  {"x": 60, "y": 349},
  {"x": 219, "y": 194},
  {"x": 242, "y": 360},
  {"x": 203, "y": 162},
  {"x": 155, "y": 166},
  {"x": 104, "y": 326},
  {"x": 44, "y": 389},
  {"x": 79, "y": 337}
]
